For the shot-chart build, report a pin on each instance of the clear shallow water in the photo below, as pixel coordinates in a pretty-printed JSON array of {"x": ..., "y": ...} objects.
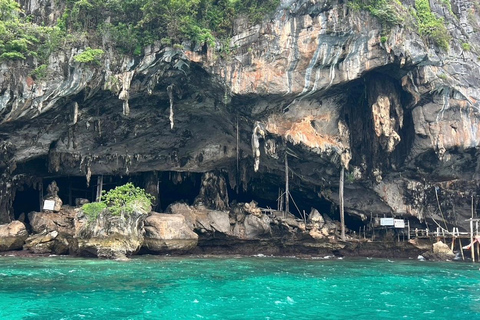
[{"x": 230, "y": 288}]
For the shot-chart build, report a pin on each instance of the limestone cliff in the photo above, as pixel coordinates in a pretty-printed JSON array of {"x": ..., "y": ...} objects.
[{"x": 327, "y": 85}]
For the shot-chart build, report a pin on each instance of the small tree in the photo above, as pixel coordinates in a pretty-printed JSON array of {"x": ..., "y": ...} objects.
[{"x": 126, "y": 199}]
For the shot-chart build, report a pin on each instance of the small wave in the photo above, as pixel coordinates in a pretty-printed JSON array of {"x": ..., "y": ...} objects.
[
  {"x": 195, "y": 301},
  {"x": 290, "y": 300}
]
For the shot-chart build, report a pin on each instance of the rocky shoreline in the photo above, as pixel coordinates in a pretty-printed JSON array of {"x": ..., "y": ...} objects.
[{"x": 243, "y": 230}]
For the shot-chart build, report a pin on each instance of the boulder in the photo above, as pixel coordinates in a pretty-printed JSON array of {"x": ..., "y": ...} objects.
[
  {"x": 317, "y": 234},
  {"x": 220, "y": 221},
  {"x": 12, "y": 236},
  {"x": 52, "y": 195},
  {"x": 442, "y": 250},
  {"x": 62, "y": 221},
  {"x": 186, "y": 211},
  {"x": 256, "y": 227},
  {"x": 253, "y": 209},
  {"x": 109, "y": 236},
  {"x": 47, "y": 242},
  {"x": 316, "y": 218},
  {"x": 168, "y": 232}
]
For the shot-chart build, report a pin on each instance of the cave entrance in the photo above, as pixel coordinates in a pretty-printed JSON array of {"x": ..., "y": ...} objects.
[
  {"x": 27, "y": 199},
  {"x": 178, "y": 187}
]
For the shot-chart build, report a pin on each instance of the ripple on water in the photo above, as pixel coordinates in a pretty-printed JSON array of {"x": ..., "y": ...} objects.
[{"x": 248, "y": 288}]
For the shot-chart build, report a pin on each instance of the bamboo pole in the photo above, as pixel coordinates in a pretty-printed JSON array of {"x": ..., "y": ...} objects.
[
  {"x": 342, "y": 212},
  {"x": 408, "y": 228},
  {"x": 461, "y": 248},
  {"x": 472, "y": 248},
  {"x": 287, "y": 192},
  {"x": 237, "y": 173}
]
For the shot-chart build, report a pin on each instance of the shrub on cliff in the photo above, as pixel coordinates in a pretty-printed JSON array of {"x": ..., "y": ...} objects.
[{"x": 125, "y": 199}]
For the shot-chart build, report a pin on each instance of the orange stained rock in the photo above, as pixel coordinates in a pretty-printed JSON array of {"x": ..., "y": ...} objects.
[{"x": 302, "y": 131}]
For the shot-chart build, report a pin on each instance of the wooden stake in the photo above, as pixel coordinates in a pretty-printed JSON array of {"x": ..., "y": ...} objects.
[
  {"x": 461, "y": 248},
  {"x": 287, "y": 192},
  {"x": 408, "y": 228},
  {"x": 472, "y": 248},
  {"x": 340, "y": 195},
  {"x": 238, "y": 160}
]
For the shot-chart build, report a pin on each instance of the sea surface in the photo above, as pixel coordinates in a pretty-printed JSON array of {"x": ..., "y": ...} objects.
[{"x": 155, "y": 287}]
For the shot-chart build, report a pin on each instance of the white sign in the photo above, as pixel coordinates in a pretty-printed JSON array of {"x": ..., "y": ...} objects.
[
  {"x": 399, "y": 223},
  {"x": 386, "y": 221},
  {"x": 49, "y": 205}
]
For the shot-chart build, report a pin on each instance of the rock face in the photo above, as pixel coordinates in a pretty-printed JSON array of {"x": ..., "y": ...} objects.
[
  {"x": 48, "y": 242},
  {"x": 12, "y": 236},
  {"x": 442, "y": 250},
  {"x": 62, "y": 221},
  {"x": 319, "y": 84},
  {"x": 168, "y": 233},
  {"x": 113, "y": 237}
]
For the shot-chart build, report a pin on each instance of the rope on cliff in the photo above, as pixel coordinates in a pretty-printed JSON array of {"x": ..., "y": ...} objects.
[
  {"x": 440, "y": 209},
  {"x": 170, "y": 97}
]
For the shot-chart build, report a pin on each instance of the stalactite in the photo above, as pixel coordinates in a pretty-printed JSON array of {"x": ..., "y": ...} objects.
[
  {"x": 75, "y": 113},
  {"x": 88, "y": 175},
  {"x": 124, "y": 95},
  {"x": 170, "y": 96},
  {"x": 258, "y": 133}
]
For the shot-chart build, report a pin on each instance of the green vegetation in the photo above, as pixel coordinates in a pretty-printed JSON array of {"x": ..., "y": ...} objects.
[
  {"x": 131, "y": 25},
  {"x": 466, "y": 46},
  {"x": 40, "y": 72},
  {"x": 442, "y": 76},
  {"x": 93, "y": 210},
  {"x": 17, "y": 37},
  {"x": 430, "y": 26},
  {"x": 391, "y": 13},
  {"x": 125, "y": 199},
  {"x": 89, "y": 56},
  {"x": 134, "y": 24},
  {"x": 386, "y": 11}
]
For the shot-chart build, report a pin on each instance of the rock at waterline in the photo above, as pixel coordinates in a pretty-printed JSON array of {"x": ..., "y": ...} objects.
[
  {"x": 12, "y": 236},
  {"x": 168, "y": 232},
  {"x": 62, "y": 221},
  {"x": 47, "y": 242},
  {"x": 442, "y": 250}
]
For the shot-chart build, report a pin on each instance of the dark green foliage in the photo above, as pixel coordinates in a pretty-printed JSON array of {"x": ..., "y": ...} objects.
[
  {"x": 136, "y": 23},
  {"x": 17, "y": 37},
  {"x": 386, "y": 11},
  {"x": 131, "y": 25},
  {"x": 126, "y": 199},
  {"x": 93, "y": 210},
  {"x": 89, "y": 56},
  {"x": 40, "y": 72}
]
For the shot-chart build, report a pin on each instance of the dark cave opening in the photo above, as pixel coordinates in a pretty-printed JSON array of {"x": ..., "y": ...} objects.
[
  {"x": 366, "y": 145},
  {"x": 27, "y": 199},
  {"x": 178, "y": 187},
  {"x": 265, "y": 189}
]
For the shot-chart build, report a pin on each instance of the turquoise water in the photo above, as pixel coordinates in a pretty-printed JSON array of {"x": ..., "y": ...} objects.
[{"x": 236, "y": 288}]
